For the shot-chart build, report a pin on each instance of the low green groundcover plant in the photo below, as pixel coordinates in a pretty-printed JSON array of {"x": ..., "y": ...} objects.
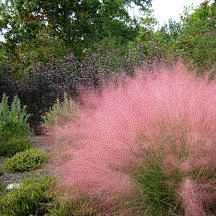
[
  {"x": 14, "y": 130},
  {"x": 39, "y": 196},
  {"x": 27, "y": 160},
  {"x": 30, "y": 198}
]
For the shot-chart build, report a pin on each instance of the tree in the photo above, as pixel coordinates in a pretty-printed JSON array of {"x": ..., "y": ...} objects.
[
  {"x": 192, "y": 39},
  {"x": 197, "y": 40},
  {"x": 75, "y": 23}
]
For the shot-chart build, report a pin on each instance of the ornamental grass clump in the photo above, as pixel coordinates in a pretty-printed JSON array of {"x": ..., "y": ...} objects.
[
  {"x": 61, "y": 112},
  {"x": 151, "y": 138}
]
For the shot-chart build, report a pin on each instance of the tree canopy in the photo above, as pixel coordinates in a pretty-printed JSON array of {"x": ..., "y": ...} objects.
[{"x": 77, "y": 23}]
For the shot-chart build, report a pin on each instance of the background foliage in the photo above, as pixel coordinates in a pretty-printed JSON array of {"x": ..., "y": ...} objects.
[{"x": 52, "y": 47}]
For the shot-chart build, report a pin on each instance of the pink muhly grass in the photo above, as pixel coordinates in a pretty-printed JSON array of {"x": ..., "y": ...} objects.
[
  {"x": 196, "y": 197},
  {"x": 170, "y": 111},
  {"x": 192, "y": 204}
]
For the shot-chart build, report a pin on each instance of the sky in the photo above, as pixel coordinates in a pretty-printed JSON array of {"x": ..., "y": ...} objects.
[{"x": 166, "y": 9}]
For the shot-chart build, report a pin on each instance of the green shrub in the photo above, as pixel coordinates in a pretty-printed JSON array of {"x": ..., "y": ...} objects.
[
  {"x": 14, "y": 130},
  {"x": 14, "y": 144},
  {"x": 61, "y": 111},
  {"x": 30, "y": 198},
  {"x": 27, "y": 160}
]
